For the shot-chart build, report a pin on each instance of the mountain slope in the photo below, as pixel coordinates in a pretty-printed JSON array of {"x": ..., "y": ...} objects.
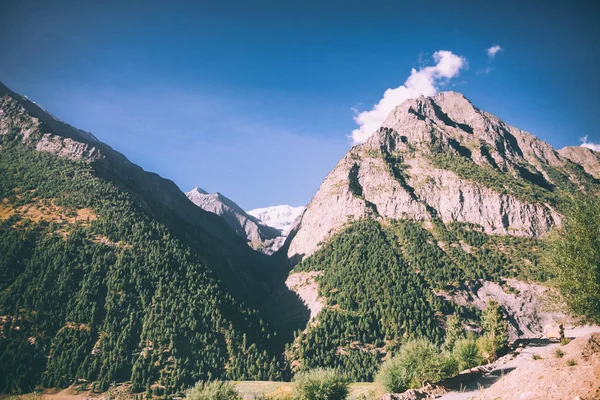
[
  {"x": 441, "y": 157},
  {"x": 442, "y": 200},
  {"x": 258, "y": 235},
  {"x": 587, "y": 158},
  {"x": 109, "y": 273}
]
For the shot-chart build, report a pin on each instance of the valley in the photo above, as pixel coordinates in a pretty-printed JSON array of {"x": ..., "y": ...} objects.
[{"x": 433, "y": 232}]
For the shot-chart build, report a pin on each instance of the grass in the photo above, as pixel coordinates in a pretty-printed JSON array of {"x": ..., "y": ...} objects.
[
  {"x": 536, "y": 356},
  {"x": 565, "y": 341},
  {"x": 250, "y": 389},
  {"x": 571, "y": 362},
  {"x": 558, "y": 353}
]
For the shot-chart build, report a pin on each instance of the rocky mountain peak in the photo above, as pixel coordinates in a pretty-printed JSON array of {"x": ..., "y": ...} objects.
[
  {"x": 587, "y": 158},
  {"x": 198, "y": 189},
  {"x": 441, "y": 157},
  {"x": 258, "y": 235}
]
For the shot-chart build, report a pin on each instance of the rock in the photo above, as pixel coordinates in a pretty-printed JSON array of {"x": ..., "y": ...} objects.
[
  {"x": 522, "y": 302},
  {"x": 587, "y": 158},
  {"x": 305, "y": 286},
  {"x": 258, "y": 235},
  {"x": 394, "y": 174}
]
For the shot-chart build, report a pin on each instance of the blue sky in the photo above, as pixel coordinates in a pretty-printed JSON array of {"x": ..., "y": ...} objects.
[{"x": 255, "y": 99}]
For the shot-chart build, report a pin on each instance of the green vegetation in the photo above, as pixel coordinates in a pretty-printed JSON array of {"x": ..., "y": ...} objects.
[
  {"x": 94, "y": 287},
  {"x": 379, "y": 280},
  {"x": 523, "y": 184},
  {"x": 571, "y": 362},
  {"x": 417, "y": 363},
  {"x": 215, "y": 390},
  {"x": 536, "y": 356},
  {"x": 374, "y": 301},
  {"x": 320, "y": 384},
  {"x": 574, "y": 258},
  {"x": 454, "y": 332},
  {"x": 501, "y": 182},
  {"x": 495, "y": 338},
  {"x": 558, "y": 353},
  {"x": 466, "y": 353}
]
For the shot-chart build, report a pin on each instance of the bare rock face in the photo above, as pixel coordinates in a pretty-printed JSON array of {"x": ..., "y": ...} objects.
[
  {"x": 67, "y": 148},
  {"x": 258, "y": 235},
  {"x": 523, "y": 303},
  {"x": 397, "y": 174},
  {"x": 305, "y": 285},
  {"x": 587, "y": 158}
]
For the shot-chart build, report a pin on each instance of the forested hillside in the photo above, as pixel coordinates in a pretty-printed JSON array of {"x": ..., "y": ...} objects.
[
  {"x": 380, "y": 278},
  {"x": 95, "y": 286}
]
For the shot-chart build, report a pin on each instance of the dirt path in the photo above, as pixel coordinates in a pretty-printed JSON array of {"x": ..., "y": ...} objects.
[{"x": 473, "y": 384}]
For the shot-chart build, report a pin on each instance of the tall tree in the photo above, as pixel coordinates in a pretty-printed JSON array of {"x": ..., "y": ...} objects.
[
  {"x": 573, "y": 258},
  {"x": 495, "y": 327}
]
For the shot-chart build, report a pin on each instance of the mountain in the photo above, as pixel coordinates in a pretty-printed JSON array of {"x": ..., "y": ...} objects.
[
  {"x": 442, "y": 209},
  {"x": 587, "y": 158},
  {"x": 108, "y": 273},
  {"x": 281, "y": 217},
  {"x": 259, "y": 236},
  {"x": 441, "y": 157}
]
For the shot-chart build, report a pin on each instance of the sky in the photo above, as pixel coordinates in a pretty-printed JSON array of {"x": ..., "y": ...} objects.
[{"x": 260, "y": 99}]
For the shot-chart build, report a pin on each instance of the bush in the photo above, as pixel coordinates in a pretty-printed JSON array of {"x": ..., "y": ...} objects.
[
  {"x": 571, "y": 362},
  {"x": 536, "y": 356},
  {"x": 558, "y": 353},
  {"x": 418, "y": 361},
  {"x": 215, "y": 390},
  {"x": 485, "y": 348},
  {"x": 466, "y": 353},
  {"x": 320, "y": 384}
]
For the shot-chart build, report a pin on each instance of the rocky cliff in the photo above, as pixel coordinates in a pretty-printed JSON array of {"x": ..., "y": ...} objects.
[
  {"x": 442, "y": 158},
  {"x": 258, "y": 235},
  {"x": 587, "y": 158}
]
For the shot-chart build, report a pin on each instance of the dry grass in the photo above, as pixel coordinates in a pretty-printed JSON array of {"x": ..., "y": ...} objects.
[{"x": 46, "y": 210}]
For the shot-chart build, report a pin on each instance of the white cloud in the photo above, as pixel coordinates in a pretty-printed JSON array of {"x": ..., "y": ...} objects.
[
  {"x": 589, "y": 145},
  {"x": 424, "y": 82},
  {"x": 492, "y": 51}
]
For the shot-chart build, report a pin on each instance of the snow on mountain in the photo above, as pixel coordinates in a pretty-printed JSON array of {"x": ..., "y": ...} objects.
[{"x": 281, "y": 217}]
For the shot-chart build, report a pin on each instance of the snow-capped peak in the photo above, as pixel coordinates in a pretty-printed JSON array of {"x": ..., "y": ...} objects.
[{"x": 280, "y": 217}]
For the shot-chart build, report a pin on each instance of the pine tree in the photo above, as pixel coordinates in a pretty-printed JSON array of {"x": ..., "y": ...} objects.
[{"x": 495, "y": 327}]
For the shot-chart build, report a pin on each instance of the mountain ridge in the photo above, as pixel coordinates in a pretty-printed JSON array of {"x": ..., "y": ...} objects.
[
  {"x": 258, "y": 235},
  {"x": 441, "y": 157}
]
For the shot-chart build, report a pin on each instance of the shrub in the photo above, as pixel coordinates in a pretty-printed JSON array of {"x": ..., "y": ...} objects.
[
  {"x": 454, "y": 332},
  {"x": 571, "y": 362},
  {"x": 485, "y": 348},
  {"x": 215, "y": 390},
  {"x": 558, "y": 353},
  {"x": 564, "y": 341},
  {"x": 536, "y": 356},
  {"x": 320, "y": 384},
  {"x": 417, "y": 362},
  {"x": 466, "y": 353}
]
